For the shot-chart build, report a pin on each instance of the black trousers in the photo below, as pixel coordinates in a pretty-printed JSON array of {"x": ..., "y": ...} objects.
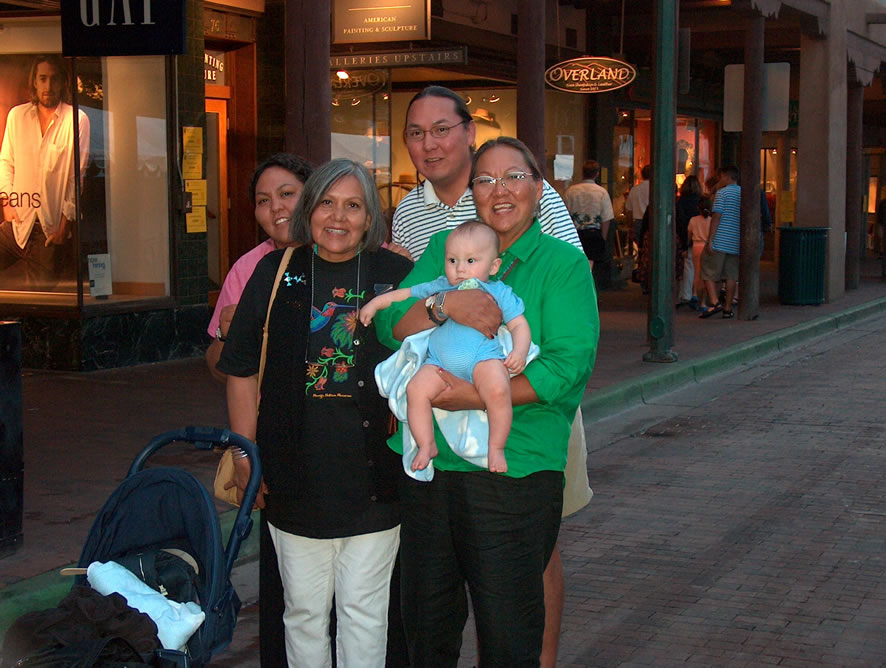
[{"x": 494, "y": 534}]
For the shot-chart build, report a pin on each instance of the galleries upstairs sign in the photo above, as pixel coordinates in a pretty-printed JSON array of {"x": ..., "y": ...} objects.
[{"x": 123, "y": 27}]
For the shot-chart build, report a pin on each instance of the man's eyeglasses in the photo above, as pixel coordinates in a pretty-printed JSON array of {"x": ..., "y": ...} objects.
[
  {"x": 415, "y": 135},
  {"x": 512, "y": 181}
]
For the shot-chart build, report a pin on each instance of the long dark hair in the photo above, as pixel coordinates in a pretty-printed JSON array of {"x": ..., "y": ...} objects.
[{"x": 58, "y": 63}]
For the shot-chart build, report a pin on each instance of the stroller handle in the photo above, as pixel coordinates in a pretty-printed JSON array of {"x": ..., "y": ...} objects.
[{"x": 207, "y": 438}]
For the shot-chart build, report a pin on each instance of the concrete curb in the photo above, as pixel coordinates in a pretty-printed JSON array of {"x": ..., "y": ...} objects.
[
  {"x": 47, "y": 589},
  {"x": 616, "y": 398}
]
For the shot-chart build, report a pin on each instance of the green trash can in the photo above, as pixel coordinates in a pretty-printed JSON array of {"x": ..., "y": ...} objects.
[{"x": 802, "y": 256}]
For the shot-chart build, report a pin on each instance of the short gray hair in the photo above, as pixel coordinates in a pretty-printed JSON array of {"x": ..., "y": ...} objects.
[{"x": 319, "y": 183}]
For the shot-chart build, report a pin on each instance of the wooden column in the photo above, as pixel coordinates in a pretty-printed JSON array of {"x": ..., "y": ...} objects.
[
  {"x": 308, "y": 92},
  {"x": 855, "y": 232},
  {"x": 751, "y": 140},
  {"x": 531, "y": 78}
]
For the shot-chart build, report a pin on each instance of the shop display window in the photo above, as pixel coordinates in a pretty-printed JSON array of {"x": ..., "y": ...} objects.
[
  {"x": 695, "y": 148},
  {"x": 83, "y": 180},
  {"x": 361, "y": 126}
]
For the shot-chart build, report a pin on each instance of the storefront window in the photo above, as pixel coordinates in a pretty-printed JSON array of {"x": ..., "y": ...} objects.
[
  {"x": 623, "y": 160},
  {"x": 361, "y": 125},
  {"x": 83, "y": 179}
]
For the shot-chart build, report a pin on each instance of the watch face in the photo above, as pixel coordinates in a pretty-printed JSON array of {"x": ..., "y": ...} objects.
[{"x": 429, "y": 301}]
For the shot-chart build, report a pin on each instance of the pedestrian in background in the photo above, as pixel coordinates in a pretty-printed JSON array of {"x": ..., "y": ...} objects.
[
  {"x": 698, "y": 232},
  {"x": 591, "y": 210},
  {"x": 637, "y": 203},
  {"x": 720, "y": 258},
  {"x": 686, "y": 207}
]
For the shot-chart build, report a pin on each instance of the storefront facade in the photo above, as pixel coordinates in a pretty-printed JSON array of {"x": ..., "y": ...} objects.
[
  {"x": 160, "y": 179},
  {"x": 129, "y": 162}
]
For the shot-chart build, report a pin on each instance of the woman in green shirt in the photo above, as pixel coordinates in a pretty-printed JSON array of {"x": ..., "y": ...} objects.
[{"x": 495, "y": 532}]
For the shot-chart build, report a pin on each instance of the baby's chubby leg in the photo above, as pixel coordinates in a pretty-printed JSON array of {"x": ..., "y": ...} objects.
[
  {"x": 421, "y": 390},
  {"x": 493, "y": 384}
]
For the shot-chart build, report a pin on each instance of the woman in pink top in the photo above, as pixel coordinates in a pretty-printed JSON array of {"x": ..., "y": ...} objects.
[
  {"x": 698, "y": 230},
  {"x": 275, "y": 190}
]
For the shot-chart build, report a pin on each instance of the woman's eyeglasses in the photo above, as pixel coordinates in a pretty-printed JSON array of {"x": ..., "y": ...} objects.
[
  {"x": 415, "y": 135},
  {"x": 512, "y": 181}
]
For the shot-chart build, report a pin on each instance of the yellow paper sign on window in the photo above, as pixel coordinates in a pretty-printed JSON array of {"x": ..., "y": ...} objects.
[
  {"x": 192, "y": 166},
  {"x": 197, "y": 188},
  {"x": 196, "y": 220},
  {"x": 192, "y": 139}
]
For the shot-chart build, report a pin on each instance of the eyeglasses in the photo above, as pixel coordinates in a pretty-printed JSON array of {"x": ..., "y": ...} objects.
[
  {"x": 415, "y": 135},
  {"x": 512, "y": 181}
]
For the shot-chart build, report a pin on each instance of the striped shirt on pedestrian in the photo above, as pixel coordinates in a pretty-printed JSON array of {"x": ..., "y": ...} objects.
[{"x": 728, "y": 204}]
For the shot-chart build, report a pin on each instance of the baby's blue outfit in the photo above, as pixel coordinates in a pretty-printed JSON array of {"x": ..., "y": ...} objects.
[
  {"x": 456, "y": 347},
  {"x": 467, "y": 432}
]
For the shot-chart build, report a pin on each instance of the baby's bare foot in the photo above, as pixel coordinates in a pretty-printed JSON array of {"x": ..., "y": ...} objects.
[
  {"x": 497, "y": 462},
  {"x": 423, "y": 458}
]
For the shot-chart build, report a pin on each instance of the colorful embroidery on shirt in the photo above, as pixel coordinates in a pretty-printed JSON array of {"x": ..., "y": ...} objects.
[{"x": 335, "y": 361}]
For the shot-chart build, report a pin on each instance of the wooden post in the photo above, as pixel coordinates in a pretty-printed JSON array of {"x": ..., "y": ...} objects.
[
  {"x": 308, "y": 91},
  {"x": 751, "y": 140},
  {"x": 855, "y": 237},
  {"x": 531, "y": 78}
]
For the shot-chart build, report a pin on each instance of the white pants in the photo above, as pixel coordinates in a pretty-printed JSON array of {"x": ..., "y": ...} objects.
[
  {"x": 686, "y": 281},
  {"x": 357, "y": 570}
]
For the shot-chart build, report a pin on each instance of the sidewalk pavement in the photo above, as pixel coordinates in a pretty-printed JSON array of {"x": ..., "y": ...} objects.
[{"x": 82, "y": 430}]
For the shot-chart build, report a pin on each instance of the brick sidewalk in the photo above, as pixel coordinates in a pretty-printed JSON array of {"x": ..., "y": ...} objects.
[{"x": 82, "y": 430}]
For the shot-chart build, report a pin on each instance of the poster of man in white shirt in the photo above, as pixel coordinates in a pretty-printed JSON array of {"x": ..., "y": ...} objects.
[{"x": 37, "y": 185}]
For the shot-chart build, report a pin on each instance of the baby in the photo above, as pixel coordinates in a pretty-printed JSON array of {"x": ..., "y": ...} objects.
[{"x": 471, "y": 258}]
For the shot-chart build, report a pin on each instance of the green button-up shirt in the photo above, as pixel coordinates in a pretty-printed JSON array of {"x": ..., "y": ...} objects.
[{"x": 554, "y": 282}]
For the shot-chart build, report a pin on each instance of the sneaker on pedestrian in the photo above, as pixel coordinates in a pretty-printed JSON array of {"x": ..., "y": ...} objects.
[{"x": 711, "y": 310}]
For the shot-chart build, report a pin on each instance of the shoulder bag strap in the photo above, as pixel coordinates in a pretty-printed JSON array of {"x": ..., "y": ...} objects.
[{"x": 284, "y": 263}]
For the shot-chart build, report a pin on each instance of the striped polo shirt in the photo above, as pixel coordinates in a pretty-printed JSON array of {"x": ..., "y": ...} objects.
[
  {"x": 421, "y": 214},
  {"x": 728, "y": 204}
]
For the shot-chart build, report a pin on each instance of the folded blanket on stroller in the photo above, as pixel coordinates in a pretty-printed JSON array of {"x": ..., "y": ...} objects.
[
  {"x": 176, "y": 622},
  {"x": 466, "y": 432}
]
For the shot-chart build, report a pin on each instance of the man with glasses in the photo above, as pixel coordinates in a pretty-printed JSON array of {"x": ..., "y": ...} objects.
[{"x": 439, "y": 136}]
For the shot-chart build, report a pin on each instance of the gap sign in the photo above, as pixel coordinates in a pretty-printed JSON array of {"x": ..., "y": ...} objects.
[{"x": 123, "y": 27}]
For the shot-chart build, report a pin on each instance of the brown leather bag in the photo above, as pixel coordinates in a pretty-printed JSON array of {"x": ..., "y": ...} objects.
[{"x": 225, "y": 471}]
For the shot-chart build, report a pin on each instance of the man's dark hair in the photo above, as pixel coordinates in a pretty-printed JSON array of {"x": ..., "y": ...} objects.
[
  {"x": 731, "y": 171},
  {"x": 646, "y": 172},
  {"x": 291, "y": 162},
  {"x": 590, "y": 169},
  {"x": 56, "y": 62},
  {"x": 461, "y": 107}
]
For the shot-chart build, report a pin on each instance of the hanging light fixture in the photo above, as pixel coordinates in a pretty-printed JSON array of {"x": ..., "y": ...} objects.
[{"x": 342, "y": 74}]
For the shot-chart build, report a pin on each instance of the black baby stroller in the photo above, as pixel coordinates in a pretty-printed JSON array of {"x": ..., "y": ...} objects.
[{"x": 160, "y": 511}]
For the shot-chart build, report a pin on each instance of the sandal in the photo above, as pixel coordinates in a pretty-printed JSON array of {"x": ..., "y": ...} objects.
[
  {"x": 711, "y": 310},
  {"x": 728, "y": 314}
]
